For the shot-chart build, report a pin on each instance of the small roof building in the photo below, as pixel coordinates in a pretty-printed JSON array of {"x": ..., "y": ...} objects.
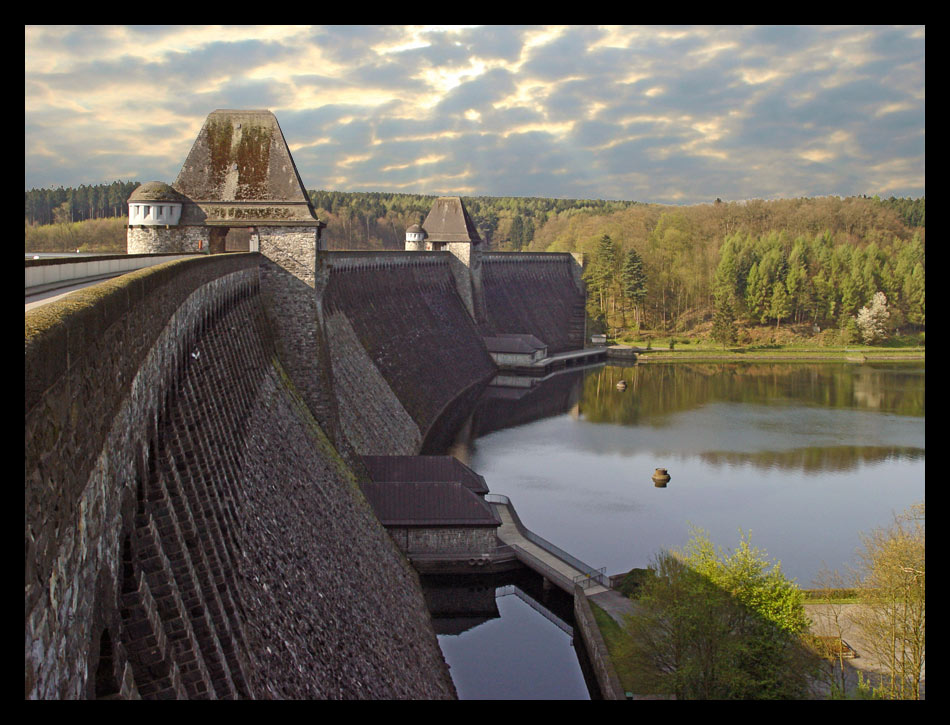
[
  {"x": 432, "y": 506},
  {"x": 424, "y": 468},
  {"x": 515, "y": 349}
]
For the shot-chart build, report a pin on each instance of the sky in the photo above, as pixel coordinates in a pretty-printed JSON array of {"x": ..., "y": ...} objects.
[{"x": 663, "y": 114}]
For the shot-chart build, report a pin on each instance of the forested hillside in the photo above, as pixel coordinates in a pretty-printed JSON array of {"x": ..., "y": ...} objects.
[{"x": 814, "y": 261}]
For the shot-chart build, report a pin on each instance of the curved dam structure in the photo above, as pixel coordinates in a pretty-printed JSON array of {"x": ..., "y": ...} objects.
[
  {"x": 537, "y": 293},
  {"x": 194, "y": 521},
  {"x": 190, "y": 530},
  {"x": 402, "y": 345}
]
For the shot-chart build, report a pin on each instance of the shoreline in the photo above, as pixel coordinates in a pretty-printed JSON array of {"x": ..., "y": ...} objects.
[{"x": 618, "y": 353}]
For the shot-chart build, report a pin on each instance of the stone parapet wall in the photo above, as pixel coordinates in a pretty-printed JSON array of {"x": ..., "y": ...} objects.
[{"x": 98, "y": 368}]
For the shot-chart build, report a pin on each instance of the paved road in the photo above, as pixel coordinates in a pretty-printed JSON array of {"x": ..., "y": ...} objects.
[{"x": 44, "y": 294}]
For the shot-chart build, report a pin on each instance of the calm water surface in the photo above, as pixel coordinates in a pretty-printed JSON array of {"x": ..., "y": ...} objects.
[{"x": 803, "y": 457}]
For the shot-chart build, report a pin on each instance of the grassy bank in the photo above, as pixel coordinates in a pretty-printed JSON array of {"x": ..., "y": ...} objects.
[{"x": 780, "y": 352}]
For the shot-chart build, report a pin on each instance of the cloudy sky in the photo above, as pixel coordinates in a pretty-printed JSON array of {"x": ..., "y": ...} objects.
[{"x": 674, "y": 115}]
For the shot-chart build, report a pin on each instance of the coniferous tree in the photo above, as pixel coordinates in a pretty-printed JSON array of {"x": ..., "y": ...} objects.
[
  {"x": 724, "y": 321},
  {"x": 634, "y": 282}
]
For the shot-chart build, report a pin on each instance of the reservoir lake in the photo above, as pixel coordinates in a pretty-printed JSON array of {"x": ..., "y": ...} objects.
[{"x": 800, "y": 457}]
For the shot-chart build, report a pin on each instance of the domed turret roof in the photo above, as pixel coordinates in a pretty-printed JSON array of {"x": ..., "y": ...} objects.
[
  {"x": 155, "y": 191},
  {"x": 415, "y": 229}
]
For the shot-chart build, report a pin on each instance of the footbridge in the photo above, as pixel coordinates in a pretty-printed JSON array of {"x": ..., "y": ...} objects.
[{"x": 551, "y": 562}]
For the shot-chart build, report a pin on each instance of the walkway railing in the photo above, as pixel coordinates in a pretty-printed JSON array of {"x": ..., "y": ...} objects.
[
  {"x": 588, "y": 576},
  {"x": 542, "y": 610}
]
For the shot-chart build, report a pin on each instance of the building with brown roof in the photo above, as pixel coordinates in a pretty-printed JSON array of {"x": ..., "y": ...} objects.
[{"x": 432, "y": 505}]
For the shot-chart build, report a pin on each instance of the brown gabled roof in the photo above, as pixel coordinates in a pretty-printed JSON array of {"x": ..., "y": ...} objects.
[
  {"x": 429, "y": 503},
  {"x": 423, "y": 468},
  {"x": 448, "y": 221}
]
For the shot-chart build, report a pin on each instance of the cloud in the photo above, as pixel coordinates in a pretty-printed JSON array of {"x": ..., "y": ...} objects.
[{"x": 653, "y": 113}]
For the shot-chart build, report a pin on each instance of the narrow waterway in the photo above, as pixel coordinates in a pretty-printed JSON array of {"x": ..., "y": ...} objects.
[{"x": 801, "y": 457}]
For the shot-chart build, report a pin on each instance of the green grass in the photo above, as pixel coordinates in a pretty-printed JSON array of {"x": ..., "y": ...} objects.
[
  {"x": 831, "y": 596},
  {"x": 617, "y": 642}
]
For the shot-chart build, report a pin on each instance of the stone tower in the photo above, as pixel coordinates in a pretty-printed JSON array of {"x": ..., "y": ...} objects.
[
  {"x": 449, "y": 228},
  {"x": 239, "y": 175},
  {"x": 154, "y": 214}
]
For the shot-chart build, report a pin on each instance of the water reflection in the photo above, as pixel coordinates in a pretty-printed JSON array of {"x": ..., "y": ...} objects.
[
  {"x": 507, "y": 636},
  {"x": 807, "y": 417},
  {"x": 804, "y": 456}
]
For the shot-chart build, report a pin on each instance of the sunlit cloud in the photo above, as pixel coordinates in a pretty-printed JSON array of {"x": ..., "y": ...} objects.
[{"x": 666, "y": 114}]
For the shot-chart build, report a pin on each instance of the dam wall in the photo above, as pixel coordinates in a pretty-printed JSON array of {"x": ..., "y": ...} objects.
[
  {"x": 402, "y": 342},
  {"x": 536, "y": 293},
  {"x": 189, "y": 529}
]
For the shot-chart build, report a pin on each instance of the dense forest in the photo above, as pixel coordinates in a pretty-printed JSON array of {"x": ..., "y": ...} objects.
[
  {"x": 62, "y": 205},
  {"x": 814, "y": 261}
]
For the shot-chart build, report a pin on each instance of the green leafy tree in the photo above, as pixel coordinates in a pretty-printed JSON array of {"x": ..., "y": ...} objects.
[
  {"x": 600, "y": 276},
  {"x": 781, "y": 304},
  {"x": 724, "y": 321},
  {"x": 712, "y": 625}
]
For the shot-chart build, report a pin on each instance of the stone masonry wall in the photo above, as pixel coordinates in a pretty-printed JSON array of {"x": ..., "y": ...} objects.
[
  {"x": 535, "y": 293},
  {"x": 206, "y": 541},
  {"x": 405, "y": 312},
  {"x": 160, "y": 239},
  {"x": 445, "y": 539}
]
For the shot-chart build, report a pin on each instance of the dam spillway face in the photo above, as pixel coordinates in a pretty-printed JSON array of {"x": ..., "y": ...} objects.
[{"x": 535, "y": 294}]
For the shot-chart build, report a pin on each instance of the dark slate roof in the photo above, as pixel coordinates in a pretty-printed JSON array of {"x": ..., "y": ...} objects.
[
  {"x": 429, "y": 503},
  {"x": 514, "y": 343},
  {"x": 423, "y": 468},
  {"x": 448, "y": 221}
]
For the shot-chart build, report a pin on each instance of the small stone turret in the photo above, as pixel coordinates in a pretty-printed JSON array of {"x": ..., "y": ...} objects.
[
  {"x": 155, "y": 203},
  {"x": 155, "y": 211},
  {"x": 415, "y": 238}
]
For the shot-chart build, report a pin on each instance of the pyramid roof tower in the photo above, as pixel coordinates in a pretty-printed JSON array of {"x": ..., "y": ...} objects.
[
  {"x": 240, "y": 171},
  {"x": 448, "y": 221}
]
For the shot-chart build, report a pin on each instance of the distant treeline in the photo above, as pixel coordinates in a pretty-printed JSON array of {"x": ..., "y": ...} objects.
[
  {"x": 377, "y": 220},
  {"x": 814, "y": 260},
  {"x": 66, "y": 204}
]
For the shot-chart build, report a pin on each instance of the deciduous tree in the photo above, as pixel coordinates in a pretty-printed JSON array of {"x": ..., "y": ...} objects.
[
  {"x": 892, "y": 608},
  {"x": 720, "y": 626}
]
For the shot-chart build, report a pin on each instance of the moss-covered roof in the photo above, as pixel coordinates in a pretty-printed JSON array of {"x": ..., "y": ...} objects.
[
  {"x": 155, "y": 191},
  {"x": 240, "y": 169}
]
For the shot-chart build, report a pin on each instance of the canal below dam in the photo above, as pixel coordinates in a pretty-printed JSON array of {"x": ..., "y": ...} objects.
[{"x": 802, "y": 457}]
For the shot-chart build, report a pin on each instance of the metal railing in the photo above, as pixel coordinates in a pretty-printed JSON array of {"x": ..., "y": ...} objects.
[
  {"x": 509, "y": 589},
  {"x": 588, "y": 579},
  {"x": 588, "y": 573}
]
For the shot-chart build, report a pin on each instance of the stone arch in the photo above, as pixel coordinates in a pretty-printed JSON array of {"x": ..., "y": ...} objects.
[
  {"x": 224, "y": 239},
  {"x": 105, "y": 659}
]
